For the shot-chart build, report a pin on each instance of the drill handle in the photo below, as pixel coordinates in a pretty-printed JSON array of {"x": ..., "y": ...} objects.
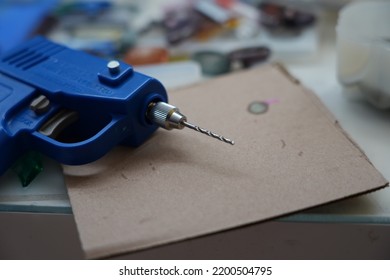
[{"x": 87, "y": 150}]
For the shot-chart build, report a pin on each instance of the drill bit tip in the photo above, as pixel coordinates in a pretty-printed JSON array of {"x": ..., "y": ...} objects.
[{"x": 207, "y": 132}]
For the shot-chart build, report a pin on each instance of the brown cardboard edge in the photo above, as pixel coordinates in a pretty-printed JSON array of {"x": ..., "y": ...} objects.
[
  {"x": 192, "y": 238},
  {"x": 319, "y": 104}
]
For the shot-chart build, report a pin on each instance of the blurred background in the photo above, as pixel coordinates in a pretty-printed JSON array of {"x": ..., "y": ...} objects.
[{"x": 180, "y": 41}]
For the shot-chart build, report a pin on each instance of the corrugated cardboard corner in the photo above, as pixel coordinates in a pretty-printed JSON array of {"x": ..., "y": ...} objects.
[{"x": 181, "y": 184}]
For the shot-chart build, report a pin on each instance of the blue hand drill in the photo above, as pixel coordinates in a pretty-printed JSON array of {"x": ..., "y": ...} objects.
[{"x": 74, "y": 107}]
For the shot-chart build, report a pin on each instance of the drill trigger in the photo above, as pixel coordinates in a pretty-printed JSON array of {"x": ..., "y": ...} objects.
[{"x": 56, "y": 124}]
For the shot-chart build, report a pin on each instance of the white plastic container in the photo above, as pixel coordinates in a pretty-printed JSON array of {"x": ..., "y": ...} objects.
[{"x": 363, "y": 50}]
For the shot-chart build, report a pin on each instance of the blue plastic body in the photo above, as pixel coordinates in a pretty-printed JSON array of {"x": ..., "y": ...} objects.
[{"x": 111, "y": 108}]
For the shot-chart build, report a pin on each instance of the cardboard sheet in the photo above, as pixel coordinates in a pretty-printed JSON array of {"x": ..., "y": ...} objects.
[{"x": 181, "y": 184}]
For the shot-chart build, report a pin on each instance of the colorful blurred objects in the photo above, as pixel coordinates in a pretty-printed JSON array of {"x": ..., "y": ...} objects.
[
  {"x": 215, "y": 33},
  {"x": 98, "y": 27},
  {"x": 250, "y": 56},
  {"x": 180, "y": 24},
  {"x": 216, "y": 63},
  {"x": 146, "y": 55},
  {"x": 117, "y": 29},
  {"x": 212, "y": 62},
  {"x": 279, "y": 19}
]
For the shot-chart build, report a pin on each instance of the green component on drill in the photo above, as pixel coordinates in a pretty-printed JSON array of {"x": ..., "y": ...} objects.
[{"x": 28, "y": 167}]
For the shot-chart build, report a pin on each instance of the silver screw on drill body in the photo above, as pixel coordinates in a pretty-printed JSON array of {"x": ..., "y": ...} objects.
[
  {"x": 169, "y": 117},
  {"x": 114, "y": 67}
]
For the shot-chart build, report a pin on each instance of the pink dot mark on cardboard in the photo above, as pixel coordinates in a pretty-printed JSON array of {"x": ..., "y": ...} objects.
[{"x": 271, "y": 101}]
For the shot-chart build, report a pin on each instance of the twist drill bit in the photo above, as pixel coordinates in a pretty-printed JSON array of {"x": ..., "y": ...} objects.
[
  {"x": 208, "y": 132},
  {"x": 169, "y": 117}
]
